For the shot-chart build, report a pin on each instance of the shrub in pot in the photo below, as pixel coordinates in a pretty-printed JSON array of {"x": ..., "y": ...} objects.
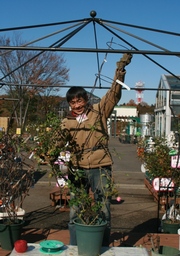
[
  {"x": 157, "y": 162},
  {"x": 156, "y": 158},
  {"x": 88, "y": 210},
  {"x": 90, "y": 223},
  {"x": 171, "y": 220},
  {"x": 16, "y": 178}
]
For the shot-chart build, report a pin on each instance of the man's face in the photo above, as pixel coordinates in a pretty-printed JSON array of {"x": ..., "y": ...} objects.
[{"x": 78, "y": 105}]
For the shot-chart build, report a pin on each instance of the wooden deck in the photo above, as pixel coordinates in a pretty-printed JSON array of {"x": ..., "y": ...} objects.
[
  {"x": 117, "y": 239},
  {"x": 58, "y": 193}
]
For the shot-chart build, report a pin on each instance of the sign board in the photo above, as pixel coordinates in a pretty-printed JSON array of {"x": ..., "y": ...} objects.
[
  {"x": 4, "y": 123},
  {"x": 175, "y": 161},
  {"x": 18, "y": 131},
  {"x": 163, "y": 184}
]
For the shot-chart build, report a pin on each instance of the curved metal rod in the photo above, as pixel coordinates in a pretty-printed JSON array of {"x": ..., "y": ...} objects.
[
  {"x": 141, "y": 39},
  {"x": 155, "y": 62},
  {"x": 110, "y": 47},
  {"x": 100, "y": 69}
]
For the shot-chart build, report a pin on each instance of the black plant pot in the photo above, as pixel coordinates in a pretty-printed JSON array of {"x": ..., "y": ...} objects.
[{"x": 10, "y": 233}]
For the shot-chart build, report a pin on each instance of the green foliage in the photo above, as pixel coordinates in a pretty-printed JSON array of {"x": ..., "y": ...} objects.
[
  {"x": 89, "y": 210},
  {"x": 51, "y": 144},
  {"x": 49, "y": 136},
  {"x": 16, "y": 175},
  {"x": 157, "y": 161}
]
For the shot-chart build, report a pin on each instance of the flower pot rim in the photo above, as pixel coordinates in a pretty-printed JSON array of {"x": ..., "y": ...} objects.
[{"x": 8, "y": 222}]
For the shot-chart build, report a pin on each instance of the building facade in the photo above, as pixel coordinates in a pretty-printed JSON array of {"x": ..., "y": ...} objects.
[
  {"x": 123, "y": 119},
  {"x": 167, "y": 107}
]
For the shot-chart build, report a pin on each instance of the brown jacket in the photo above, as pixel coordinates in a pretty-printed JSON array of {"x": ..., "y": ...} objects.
[{"x": 91, "y": 135}]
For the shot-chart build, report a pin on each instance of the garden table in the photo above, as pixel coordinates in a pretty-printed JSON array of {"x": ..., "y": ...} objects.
[{"x": 69, "y": 250}]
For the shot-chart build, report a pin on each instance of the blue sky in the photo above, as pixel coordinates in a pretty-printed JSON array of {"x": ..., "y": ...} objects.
[{"x": 157, "y": 14}]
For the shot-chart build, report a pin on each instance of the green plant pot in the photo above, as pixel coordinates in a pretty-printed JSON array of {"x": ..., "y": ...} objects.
[
  {"x": 89, "y": 238},
  {"x": 170, "y": 227},
  {"x": 166, "y": 251},
  {"x": 10, "y": 233}
]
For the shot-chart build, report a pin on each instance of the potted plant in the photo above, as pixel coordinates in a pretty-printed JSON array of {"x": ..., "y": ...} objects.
[
  {"x": 171, "y": 219},
  {"x": 155, "y": 157},
  {"x": 88, "y": 210},
  {"x": 90, "y": 223},
  {"x": 164, "y": 178},
  {"x": 156, "y": 160},
  {"x": 16, "y": 178}
]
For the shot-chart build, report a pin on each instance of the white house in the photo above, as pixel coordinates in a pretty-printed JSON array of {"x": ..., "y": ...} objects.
[{"x": 122, "y": 113}]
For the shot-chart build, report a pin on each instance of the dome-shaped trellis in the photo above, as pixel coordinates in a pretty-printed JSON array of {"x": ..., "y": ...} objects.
[
  {"x": 74, "y": 27},
  {"x": 68, "y": 30},
  {"x": 118, "y": 45}
]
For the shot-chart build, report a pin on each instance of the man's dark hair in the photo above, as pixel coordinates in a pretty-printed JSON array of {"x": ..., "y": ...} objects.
[{"x": 76, "y": 92}]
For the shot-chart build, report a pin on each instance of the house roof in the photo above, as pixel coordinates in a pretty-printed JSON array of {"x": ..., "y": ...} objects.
[{"x": 170, "y": 82}]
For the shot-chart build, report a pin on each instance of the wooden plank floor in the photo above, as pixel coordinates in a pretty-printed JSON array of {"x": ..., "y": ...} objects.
[{"x": 117, "y": 239}]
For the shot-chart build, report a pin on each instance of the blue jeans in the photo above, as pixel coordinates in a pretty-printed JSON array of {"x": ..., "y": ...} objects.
[{"x": 97, "y": 182}]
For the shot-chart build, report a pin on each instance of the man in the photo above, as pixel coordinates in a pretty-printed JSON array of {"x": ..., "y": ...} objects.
[{"x": 87, "y": 125}]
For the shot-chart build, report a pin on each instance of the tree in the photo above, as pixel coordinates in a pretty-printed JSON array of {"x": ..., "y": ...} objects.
[
  {"x": 29, "y": 73},
  {"x": 131, "y": 103},
  {"x": 144, "y": 108}
]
